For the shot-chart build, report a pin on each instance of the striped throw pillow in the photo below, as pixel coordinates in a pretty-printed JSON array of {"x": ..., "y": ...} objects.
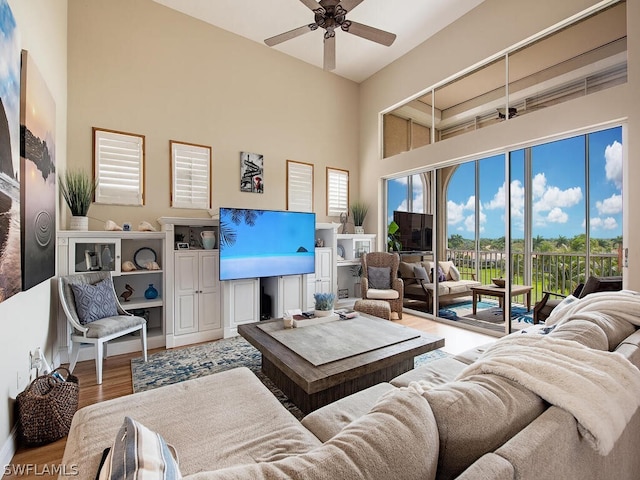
[{"x": 138, "y": 452}]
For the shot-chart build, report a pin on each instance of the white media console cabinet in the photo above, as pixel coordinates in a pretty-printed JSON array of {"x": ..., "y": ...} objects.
[{"x": 193, "y": 305}]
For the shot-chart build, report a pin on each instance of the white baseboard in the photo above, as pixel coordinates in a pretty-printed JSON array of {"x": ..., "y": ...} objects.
[{"x": 9, "y": 449}]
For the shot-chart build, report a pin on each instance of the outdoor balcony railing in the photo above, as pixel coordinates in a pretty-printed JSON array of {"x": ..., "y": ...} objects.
[{"x": 557, "y": 272}]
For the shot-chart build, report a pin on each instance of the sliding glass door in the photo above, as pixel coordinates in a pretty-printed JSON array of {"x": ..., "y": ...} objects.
[{"x": 561, "y": 207}]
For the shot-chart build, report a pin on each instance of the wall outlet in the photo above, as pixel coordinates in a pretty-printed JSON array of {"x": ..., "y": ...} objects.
[{"x": 20, "y": 380}]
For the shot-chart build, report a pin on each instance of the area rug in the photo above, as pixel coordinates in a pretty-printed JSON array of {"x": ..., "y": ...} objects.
[
  {"x": 486, "y": 311},
  {"x": 177, "y": 365}
]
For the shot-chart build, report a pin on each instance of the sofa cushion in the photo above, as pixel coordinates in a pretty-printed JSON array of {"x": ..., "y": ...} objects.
[
  {"x": 377, "y": 294},
  {"x": 326, "y": 422},
  {"x": 630, "y": 348},
  {"x": 476, "y": 416},
  {"x": 420, "y": 273},
  {"x": 398, "y": 437},
  {"x": 586, "y": 333},
  {"x": 379, "y": 277},
  {"x": 454, "y": 273},
  {"x": 405, "y": 269},
  {"x": 469, "y": 356},
  {"x": 216, "y": 421},
  {"x": 446, "y": 267},
  {"x": 437, "y": 372}
]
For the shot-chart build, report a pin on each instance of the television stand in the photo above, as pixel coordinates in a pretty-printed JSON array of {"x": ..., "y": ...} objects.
[{"x": 416, "y": 253}]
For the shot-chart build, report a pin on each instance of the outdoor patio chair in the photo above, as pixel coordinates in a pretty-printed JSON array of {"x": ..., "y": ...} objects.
[
  {"x": 545, "y": 306},
  {"x": 95, "y": 315}
]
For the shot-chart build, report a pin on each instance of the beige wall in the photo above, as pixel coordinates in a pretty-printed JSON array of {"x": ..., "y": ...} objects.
[
  {"x": 488, "y": 29},
  {"x": 25, "y": 317},
  {"x": 168, "y": 76}
]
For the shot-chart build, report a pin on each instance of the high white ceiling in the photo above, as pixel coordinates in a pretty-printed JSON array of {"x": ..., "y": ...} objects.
[{"x": 413, "y": 21}]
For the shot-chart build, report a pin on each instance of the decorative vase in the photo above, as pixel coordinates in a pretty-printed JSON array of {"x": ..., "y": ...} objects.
[
  {"x": 323, "y": 313},
  {"x": 359, "y": 229},
  {"x": 80, "y": 223},
  {"x": 151, "y": 292}
]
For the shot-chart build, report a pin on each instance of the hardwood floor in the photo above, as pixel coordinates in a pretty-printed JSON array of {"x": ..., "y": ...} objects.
[{"x": 37, "y": 461}]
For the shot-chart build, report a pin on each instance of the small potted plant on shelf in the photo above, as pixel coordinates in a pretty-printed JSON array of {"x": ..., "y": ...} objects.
[
  {"x": 324, "y": 304},
  {"x": 77, "y": 188},
  {"x": 359, "y": 212}
]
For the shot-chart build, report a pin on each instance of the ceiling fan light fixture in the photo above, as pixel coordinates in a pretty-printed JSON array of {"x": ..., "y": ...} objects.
[{"x": 329, "y": 15}]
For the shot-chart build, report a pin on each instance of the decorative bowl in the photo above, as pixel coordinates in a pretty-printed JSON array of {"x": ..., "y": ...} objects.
[{"x": 499, "y": 282}]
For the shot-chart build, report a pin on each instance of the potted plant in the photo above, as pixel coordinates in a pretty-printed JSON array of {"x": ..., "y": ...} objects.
[
  {"x": 359, "y": 212},
  {"x": 324, "y": 304},
  {"x": 393, "y": 238},
  {"x": 77, "y": 188}
]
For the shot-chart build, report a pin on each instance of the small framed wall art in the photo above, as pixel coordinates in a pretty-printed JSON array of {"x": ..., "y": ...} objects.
[{"x": 251, "y": 172}]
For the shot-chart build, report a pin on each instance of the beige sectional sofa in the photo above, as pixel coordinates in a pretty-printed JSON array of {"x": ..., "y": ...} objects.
[
  {"x": 450, "y": 287},
  {"x": 427, "y": 423}
]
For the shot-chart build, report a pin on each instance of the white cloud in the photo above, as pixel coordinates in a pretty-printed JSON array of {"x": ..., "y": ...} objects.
[
  {"x": 539, "y": 185},
  {"x": 457, "y": 214},
  {"x": 554, "y": 197},
  {"x": 400, "y": 181},
  {"x": 608, "y": 223},
  {"x": 613, "y": 163},
  {"x": 610, "y": 206},
  {"x": 556, "y": 215}
]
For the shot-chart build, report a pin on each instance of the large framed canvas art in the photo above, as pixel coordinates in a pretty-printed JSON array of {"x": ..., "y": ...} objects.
[
  {"x": 10, "y": 255},
  {"x": 38, "y": 185}
]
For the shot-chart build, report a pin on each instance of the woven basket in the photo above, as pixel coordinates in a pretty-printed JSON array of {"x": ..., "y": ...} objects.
[{"x": 46, "y": 408}]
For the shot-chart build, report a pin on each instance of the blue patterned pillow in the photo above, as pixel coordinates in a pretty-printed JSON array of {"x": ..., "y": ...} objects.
[
  {"x": 94, "y": 302},
  {"x": 379, "y": 277}
]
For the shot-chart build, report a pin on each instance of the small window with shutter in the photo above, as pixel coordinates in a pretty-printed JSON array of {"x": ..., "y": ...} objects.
[
  {"x": 299, "y": 186},
  {"x": 190, "y": 175},
  {"x": 337, "y": 192},
  {"x": 118, "y": 162}
]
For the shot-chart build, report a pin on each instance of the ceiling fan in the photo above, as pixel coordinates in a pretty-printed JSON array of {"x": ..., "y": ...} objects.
[{"x": 331, "y": 15}]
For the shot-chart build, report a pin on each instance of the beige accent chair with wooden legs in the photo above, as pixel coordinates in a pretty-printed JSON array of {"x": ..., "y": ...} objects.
[
  {"x": 95, "y": 315},
  {"x": 380, "y": 279}
]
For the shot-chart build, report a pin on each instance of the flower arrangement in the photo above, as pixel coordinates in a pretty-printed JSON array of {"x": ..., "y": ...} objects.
[{"x": 324, "y": 301}]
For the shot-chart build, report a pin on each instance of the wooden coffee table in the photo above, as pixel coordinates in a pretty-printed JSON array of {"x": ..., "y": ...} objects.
[
  {"x": 310, "y": 387},
  {"x": 500, "y": 292}
]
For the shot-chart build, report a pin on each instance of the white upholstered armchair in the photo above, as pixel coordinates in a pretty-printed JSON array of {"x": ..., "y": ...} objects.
[{"x": 95, "y": 315}]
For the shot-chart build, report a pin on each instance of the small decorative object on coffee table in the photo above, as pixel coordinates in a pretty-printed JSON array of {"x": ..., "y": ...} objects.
[
  {"x": 324, "y": 304},
  {"x": 499, "y": 282}
]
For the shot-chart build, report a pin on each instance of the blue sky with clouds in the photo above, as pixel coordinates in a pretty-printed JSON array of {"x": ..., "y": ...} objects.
[{"x": 558, "y": 188}]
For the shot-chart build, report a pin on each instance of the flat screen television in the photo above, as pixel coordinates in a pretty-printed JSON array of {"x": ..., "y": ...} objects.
[
  {"x": 265, "y": 243},
  {"x": 415, "y": 230}
]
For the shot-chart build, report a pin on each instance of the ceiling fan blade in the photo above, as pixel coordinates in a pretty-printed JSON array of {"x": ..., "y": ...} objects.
[
  {"x": 313, "y": 5},
  {"x": 330, "y": 53},
  {"x": 349, "y": 5},
  {"x": 370, "y": 33},
  {"x": 283, "y": 37}
]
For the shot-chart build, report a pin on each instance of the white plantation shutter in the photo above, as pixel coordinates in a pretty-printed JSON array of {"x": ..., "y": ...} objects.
[
  {"x": 191, "y": 175},
  {"x": 337, "y": 191},
  {"x": 119, "y": 167},
  {"x": 299, "y": 186}
]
